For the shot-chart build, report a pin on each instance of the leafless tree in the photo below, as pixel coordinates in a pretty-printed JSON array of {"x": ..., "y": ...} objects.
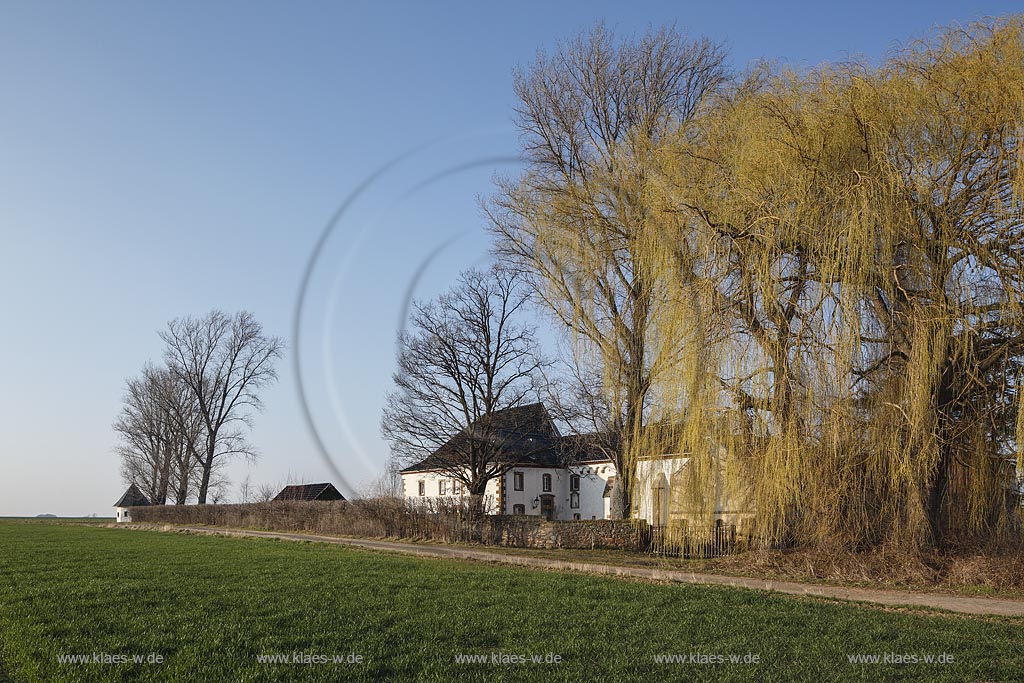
[
  {"x": 387, "y": 485},
  {"x": 224, "y": 362},
  {"x": 245, "y": 490},
  {"x": 145, "y": 447},
  {"x": 467, "y": 358},
  {"x": 572, "y": 392},
  {"x": 265, "y": 493},
  {"x": 219, "y": 490},
  {"x": 157, "y": 449},
  {"x": 181, "y": 411}
]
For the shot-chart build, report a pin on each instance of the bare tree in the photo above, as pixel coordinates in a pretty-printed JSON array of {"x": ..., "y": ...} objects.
[
  {"x": 182, "y": 411},
  {"x": 219, "y": 490},
  {"x": 245, "y": 490},
  {"x": 387, "y": 485},
  {"x": 578, "y": 217},
  {"x": 573, "y": 394},
  {"x": 265, "y": 493},
  {"x": 224, "y": 362},
  {"x": 145, "y": 442},
  {"x": 157, "y": 448},
  {"x": 466, "y": 361}
]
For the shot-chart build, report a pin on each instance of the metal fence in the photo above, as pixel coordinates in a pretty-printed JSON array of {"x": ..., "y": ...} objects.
[{"x": 697, "y": 542}]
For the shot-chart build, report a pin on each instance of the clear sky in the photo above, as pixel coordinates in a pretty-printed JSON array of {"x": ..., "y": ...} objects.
[{"x": 163, "y": 159}]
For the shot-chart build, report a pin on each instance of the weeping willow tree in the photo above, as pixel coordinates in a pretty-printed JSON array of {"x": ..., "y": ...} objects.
[
  {"x": 576, "y": 220},
  {"x": 841, "y": 251}
]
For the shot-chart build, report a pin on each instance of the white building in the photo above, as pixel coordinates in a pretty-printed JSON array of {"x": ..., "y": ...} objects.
[
  {"x": 570, "y": 478},
  {"x": 662, "y": 497},
  {"x": 133, "y": 497},
  {"x": 549, "y": 475}
]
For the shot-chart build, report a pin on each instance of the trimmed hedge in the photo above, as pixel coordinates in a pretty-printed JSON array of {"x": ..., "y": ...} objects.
[{"x": 398, "y": 518}]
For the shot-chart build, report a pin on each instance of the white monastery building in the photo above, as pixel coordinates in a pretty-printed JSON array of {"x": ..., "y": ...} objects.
[{"x": 560, "y": 477}]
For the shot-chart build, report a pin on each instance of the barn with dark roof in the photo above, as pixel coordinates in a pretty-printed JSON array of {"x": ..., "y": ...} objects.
[{"x": 321, "y": 492}]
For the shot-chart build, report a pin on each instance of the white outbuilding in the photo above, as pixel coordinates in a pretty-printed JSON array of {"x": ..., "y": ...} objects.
[{"x": 133, "y": 497}]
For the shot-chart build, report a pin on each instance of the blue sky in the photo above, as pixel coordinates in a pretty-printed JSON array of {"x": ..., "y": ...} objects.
[{"x": 162, "y": 159}]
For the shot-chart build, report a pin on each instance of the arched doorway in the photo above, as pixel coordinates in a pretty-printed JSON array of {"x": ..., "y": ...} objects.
[
  {"x": 659, "y": 501},
  {"x": 547, "y": 506}
]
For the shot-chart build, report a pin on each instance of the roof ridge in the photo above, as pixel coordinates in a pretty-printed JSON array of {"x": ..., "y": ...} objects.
[{"x": 132, "y": 497}]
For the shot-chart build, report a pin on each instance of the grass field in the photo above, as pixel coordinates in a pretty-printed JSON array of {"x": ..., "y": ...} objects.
[{"x": 212, "y": 607}]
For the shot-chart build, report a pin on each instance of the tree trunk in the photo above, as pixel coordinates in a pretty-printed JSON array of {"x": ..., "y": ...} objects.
[
  {"x": 944, "y": 397},
  {"x": 185, "y": 459},
  {"x": 622, "y": 498},
  {"x": 204, "y": 485},
  {"x": 181, "y": 492},
  {"x": 477, "y": 500},
  {"x": 636, "y": 393},
  {"x": 165, "y": 475},
  {"x": 631, "y": 437},
  {"x": 936, "y": 498}
]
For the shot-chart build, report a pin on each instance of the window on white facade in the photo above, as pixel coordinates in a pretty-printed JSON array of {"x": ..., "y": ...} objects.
[
  {"x": 574, "y": 482},
  {"x": 547, "y": 483},
  {"x": 442, "y": 487},
  {"x": 576, "y": 516},
  {"x": 456, "y": 487},
  {"x": 518, "y": 509},
  {"x": 574, "y": 500},
  {"x": 423, "y": 488},
  {"x": 517, "y": 481}
]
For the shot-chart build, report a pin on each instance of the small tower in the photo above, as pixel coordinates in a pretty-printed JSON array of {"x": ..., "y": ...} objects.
[{"x": 133, "y": 497}]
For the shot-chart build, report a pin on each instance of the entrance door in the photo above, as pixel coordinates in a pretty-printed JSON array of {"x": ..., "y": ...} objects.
[
  {"x": 659, "y": 502},
  {"x": 547, "y": 507}
]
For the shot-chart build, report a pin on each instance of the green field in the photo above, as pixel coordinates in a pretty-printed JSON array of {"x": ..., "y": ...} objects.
[{"x": 211, "y": 607}]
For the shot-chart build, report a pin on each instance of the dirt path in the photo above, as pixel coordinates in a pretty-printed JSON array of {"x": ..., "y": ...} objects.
[{"x": 953, "y": 603}]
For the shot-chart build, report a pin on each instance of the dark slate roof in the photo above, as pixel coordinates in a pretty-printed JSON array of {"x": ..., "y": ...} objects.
[
  {"x": 586, "y": 448},
  {"x": 133, "y": 497},
  {"x": 528, "y": 436},
  {"x": 325, "y": 491},
  {"x": 532, "y": 419}
]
